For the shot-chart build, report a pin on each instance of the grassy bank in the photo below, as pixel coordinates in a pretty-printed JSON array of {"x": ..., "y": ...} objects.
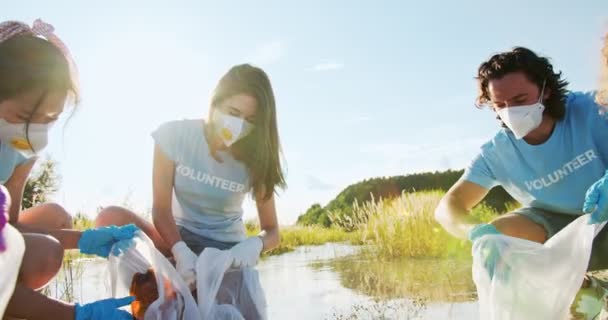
[
  {"x": 406, "y": 227},
  {"x": 401, "y": 227},
  {"x": 296, "y": 236},
  {"x": 394, "y": 228}
]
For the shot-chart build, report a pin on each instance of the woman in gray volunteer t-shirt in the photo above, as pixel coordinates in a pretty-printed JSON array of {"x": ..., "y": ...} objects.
[{"x": 203, "y": 169}]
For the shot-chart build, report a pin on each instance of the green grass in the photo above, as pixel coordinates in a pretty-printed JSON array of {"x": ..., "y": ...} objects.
[
  {"x": 406, "y": 227},
  {"x": 381, "y": 310},
  {"x": 81, "y": 222},
  {"x": 70, "y": 275},
  {"x": 394, "y": 228},
  {"x": 69, "y": 279},
  {"x": 427, "y": 279},
  {"x": 296, "y": 236}
]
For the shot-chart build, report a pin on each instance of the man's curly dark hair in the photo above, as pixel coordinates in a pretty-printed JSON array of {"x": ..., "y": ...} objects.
[{"x": 537, "y": 69}]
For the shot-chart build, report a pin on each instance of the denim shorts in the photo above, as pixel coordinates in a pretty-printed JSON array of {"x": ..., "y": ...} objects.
[
  {"x": 198, "y": 243},
  {"x": 553, "y": 222}
]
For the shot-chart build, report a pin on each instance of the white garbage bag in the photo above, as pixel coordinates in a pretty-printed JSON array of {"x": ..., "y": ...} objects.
[
  {"x": 10, "y": 262},
  {"x": 237, "y": 292},
  {"x": 223, "y": 292},
  {"x": 533, "y": 280},
  {"x": 175, "y": 301}
]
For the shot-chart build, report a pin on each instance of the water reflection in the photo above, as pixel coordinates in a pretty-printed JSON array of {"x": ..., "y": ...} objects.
[
  {"x": 334, "y": 282},
  {"x": 425, "y": 280}
]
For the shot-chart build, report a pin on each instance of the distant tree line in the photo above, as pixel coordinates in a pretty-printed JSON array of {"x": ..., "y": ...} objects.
[{"x": 391, "y": 187}]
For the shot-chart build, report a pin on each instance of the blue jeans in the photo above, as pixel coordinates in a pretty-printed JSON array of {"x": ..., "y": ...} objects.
[
  {"x": 198, "y": 243},
  {"x": 553, "y": 222}
]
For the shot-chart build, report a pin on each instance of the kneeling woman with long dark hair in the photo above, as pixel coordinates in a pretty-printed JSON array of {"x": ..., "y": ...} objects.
[{"x": 203, "y": 169}]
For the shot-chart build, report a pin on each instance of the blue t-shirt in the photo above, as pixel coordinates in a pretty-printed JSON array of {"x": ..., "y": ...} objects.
[
  {"x": 9, "y": 160},
  {"x": 554, "y": 175},
  {"x": 208, "y": 195}
]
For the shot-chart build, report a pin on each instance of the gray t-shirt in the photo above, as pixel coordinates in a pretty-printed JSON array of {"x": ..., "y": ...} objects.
[{"x": 207, "y": 195}]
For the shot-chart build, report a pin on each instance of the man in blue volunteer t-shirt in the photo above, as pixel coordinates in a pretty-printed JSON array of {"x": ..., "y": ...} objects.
[{"x": 551, "y": 155}]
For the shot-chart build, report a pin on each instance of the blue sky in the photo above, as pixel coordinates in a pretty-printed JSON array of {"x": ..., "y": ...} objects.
[{"x": 363, "y": 89}]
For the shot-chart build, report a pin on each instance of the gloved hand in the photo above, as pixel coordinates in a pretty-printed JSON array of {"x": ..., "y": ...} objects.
[
  {"x": 104, "y": 309},
  {"x": 185, "y": 261},
  {"x": 490, "y": 254},
  {"x": 596, "y": 200},
  {"x": 122, "y": 246},
  {"x": 99, "y": 241},
  {"x": 247, "y": 252}
]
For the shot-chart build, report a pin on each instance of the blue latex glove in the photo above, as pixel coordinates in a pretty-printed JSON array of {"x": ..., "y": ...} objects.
[
  {"x": 104, "y": 310},
  {"x": 596, "y": 200},
  {"x": 99, "y": 241},
  {"x": 491, "y": 253}
]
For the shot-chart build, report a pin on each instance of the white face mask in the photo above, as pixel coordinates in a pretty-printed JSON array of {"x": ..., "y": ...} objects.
[
  {"x": 14, "y": 134},
  {"x": 523, "y": 119},
  {"x": 230, "y": 128}
]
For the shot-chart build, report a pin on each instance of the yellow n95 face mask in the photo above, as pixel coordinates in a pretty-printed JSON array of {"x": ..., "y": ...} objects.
[
  {"x": 25, "y": 139},
  {"x": 230, "y": 128}
]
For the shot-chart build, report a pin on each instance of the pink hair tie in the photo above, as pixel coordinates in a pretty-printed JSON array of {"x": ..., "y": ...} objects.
[{"x": 9, "y": 29}]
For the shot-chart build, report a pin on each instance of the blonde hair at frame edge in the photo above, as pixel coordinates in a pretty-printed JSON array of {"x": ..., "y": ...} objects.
[{"x": 602, "y": 94}]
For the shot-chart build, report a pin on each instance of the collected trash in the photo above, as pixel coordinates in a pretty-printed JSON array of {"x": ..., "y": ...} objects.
[
  {"x": 223, "y": 292},
  {"x": 145, "y": 290}
]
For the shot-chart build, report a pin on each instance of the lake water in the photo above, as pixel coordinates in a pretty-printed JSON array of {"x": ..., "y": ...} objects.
[{"x": 333, "y": 282}]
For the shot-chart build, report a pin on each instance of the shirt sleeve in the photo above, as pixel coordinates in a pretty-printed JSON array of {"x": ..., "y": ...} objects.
[
  {"x": 20, "y": 159},
  {"x": 479, "y": 172},
  {"x": 589, "y": 116},
  {"x": 167, "y": 138}
]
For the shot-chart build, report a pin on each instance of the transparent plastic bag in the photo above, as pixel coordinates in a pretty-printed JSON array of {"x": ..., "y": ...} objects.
[
  {"x": 533, "y": 280},
  {"x": 175, "y": 301},
  {"x": 237, "y": 293},
  {"x": 10, "y": 262},
  {"x": 223, "y": 292}
]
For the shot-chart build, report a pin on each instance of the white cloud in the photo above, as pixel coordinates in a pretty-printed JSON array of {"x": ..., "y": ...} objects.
[
  {"x": 315, "y": 183},
  {"x": 408, "y": 150},
  {"x": 403, "y": 158},
  {"x": 356, "y": 119},
  {"x": 268, "y": 53},
  {"x": 328, "y": 66}
]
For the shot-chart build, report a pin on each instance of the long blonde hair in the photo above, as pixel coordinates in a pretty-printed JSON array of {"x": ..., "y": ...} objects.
[{"x": 602, "y": 93}]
